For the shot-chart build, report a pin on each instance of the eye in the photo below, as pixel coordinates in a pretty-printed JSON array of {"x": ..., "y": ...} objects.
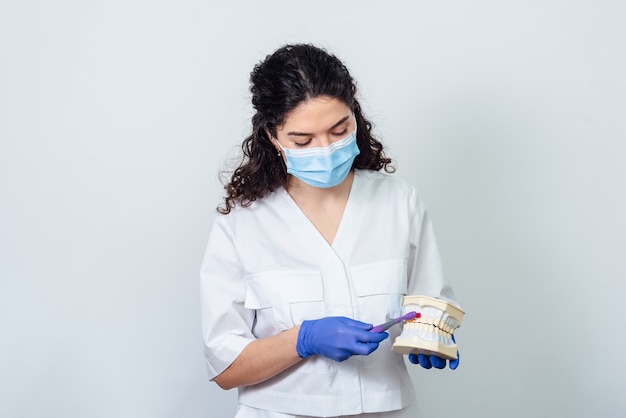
[
  {"x": 343, "y": 132},
  {"x": 302, "y": 144}
]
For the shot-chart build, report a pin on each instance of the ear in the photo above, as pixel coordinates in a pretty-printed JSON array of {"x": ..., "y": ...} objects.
[{"x": 273, "y": 140}]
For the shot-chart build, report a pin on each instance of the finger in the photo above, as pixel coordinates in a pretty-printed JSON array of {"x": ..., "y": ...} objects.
[
  {"x": 366, "y": 348},
  {"x": 413, "y": 359},
  {"x": 371, "y": 337},
  {"x": 356, "y": 324},
  {"x": 342, "y": 357},
  {"x": 437, "y": 362},
  {"x": 455, "y": 363},
  {"x": 424, "y": 361}
]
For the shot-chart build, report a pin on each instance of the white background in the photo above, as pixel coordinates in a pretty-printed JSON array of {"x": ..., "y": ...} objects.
[{"x": 116, "y": 116}]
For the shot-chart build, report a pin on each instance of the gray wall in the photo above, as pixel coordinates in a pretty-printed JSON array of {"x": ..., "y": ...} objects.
[{"x": 117, "y": 115}]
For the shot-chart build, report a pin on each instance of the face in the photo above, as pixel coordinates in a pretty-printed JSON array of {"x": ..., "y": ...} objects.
[{"x": 315, "y": 123}]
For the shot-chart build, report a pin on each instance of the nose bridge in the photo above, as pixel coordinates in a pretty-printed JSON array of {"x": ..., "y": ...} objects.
[{"x": 324, "y": 139}]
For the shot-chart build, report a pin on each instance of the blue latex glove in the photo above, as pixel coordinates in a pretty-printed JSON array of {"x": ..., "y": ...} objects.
[
  {"x": 434, "y": 361},
  {"x": 337, "y": 338}
]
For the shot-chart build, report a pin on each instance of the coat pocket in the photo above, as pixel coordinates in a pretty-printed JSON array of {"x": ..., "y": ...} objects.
[
  {"x": 380, "y": 287},
  {"x": 284, "y": 298}
]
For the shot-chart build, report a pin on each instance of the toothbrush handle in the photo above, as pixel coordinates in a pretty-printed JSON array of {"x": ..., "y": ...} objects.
[{"x": 385, "y": 326}]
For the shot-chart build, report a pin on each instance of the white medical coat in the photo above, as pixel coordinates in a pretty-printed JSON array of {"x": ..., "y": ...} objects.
[{"x": 266, "y": 269}]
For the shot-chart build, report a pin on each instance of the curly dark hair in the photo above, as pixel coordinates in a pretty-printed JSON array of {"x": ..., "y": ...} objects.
[{"x": 291, "y": 75}]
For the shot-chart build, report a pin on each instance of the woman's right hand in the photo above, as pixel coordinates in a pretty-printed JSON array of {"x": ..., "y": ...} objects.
[{"x": 337, "y": 338}]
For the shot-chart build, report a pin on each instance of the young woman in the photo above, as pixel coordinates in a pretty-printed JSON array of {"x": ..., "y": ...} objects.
[{"x": 315, "y": 242}]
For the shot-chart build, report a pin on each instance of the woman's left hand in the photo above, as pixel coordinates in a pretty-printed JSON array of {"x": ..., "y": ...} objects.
[{"x": 428, "y": 362}]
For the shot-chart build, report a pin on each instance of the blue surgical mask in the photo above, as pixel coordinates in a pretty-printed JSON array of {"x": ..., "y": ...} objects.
[{"x": 323, "y": 166}]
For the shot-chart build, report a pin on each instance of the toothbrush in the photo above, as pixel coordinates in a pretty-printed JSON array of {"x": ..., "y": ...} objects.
[{"x": 392, "y": 322}]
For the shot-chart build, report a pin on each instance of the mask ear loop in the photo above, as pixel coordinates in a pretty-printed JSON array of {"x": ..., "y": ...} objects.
[
  {"x": 279, "y": 154},
  {"x": 275, "y": 142}
]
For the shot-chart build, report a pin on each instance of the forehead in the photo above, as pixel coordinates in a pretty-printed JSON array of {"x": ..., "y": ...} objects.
[{"x": 315, "y": 114}]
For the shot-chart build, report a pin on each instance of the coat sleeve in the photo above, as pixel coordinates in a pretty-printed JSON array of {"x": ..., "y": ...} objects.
[
  {"x": 226, "y": 323},
  {"x": 425, "y": 271}
]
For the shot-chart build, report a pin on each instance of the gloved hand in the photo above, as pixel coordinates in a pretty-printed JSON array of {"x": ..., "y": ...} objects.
[
  {"x": 337, "y": 338},
  {"x": 429, "y": 361}
]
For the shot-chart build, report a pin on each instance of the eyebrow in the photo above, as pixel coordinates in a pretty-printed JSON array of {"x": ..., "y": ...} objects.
[{"x": 295, "y": 133}]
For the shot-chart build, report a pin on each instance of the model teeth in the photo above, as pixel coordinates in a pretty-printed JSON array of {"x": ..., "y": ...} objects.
[
  {"x": 432, "y": 332},
  {"x": 433, "y": 322},
  {"x": 428, "y": 333}
]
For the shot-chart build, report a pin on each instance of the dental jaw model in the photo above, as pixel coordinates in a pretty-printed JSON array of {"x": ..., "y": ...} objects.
[{"x": 431, "y": 332}]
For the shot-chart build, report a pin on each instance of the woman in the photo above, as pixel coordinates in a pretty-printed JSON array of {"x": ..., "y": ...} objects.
[{"x": 314, "y": 244}]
